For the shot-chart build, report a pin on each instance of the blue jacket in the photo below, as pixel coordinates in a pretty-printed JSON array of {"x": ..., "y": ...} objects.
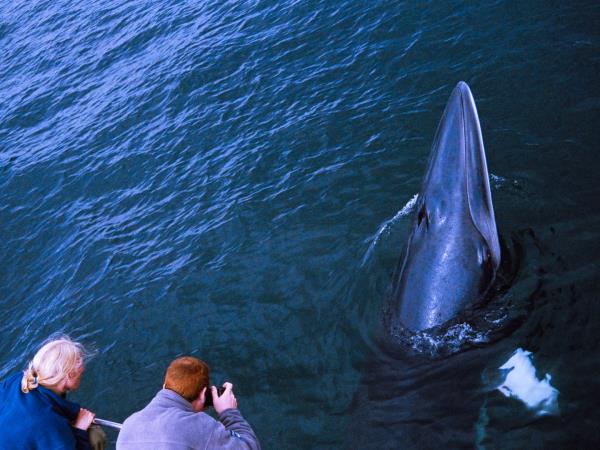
[{"x": 37, "y": 420}]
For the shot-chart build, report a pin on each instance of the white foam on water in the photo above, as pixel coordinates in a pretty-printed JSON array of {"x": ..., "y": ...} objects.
[
  {"x": 453, "y": 340},
  {"x": 385, "y": 226},
  {"x": 522, "y": 383},
  {"x": 497, "y": 180}
]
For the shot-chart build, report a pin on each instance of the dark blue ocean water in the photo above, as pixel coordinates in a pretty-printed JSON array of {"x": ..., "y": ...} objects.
[{"x": 224, "y": 179}]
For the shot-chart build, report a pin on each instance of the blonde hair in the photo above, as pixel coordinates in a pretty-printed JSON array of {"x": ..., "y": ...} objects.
[{"x": 57, "y": 357}]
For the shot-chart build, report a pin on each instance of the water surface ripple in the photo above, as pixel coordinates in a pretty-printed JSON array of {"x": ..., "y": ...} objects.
[{"x": 210, "y": 177}]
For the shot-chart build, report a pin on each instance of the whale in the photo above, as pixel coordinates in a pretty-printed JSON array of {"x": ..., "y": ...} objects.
[{"x": 452, "y": 253}]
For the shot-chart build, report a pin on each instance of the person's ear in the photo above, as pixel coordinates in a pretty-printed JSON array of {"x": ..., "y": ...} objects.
[{"x": 198, "y": 404}]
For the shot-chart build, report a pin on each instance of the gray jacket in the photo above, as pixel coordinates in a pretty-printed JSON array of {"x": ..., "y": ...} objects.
[{"x": 168, "y": 422}]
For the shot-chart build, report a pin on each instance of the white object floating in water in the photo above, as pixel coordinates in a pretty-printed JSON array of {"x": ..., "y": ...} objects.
[{"x": 522, "y": 383}]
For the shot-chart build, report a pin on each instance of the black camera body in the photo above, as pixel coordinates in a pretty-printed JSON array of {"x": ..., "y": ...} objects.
[{"x": 209, "y": 398}]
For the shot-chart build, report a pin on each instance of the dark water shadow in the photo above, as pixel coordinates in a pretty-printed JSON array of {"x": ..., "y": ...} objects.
[{"x": 429, "y": 392}]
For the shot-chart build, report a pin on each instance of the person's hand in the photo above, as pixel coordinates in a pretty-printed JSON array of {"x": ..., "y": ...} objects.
[
  {"x": 226, "y": 400},
  {"x": 84, "y": 419}
]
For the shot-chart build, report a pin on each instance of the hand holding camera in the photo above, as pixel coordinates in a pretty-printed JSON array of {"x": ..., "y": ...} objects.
[
  {"x": 208, "y": 402},
  {"x": 221, "y": 398}
]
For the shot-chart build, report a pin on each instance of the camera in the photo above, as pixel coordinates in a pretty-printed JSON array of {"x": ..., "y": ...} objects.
[{"x": 209, "y": 399}]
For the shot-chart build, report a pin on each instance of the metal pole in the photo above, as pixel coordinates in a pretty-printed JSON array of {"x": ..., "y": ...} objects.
[{"x": 108, "y": 423}]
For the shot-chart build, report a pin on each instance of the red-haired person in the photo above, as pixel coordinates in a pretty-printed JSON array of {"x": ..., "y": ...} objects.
[
  {"x": 34, "y": 411},
  {"x": 174, "y": 419}
]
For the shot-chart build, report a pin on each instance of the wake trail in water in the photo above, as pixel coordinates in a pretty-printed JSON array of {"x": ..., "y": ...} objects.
[{"x": 385, "y": 227}]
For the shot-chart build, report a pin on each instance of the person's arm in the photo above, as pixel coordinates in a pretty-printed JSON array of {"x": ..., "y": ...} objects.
[
  {"x": 80, "y": 429},
  {"x": 58, "y": 434},
  {"x": 82, "y": 441},
  {"x": 237, "y": 433}
]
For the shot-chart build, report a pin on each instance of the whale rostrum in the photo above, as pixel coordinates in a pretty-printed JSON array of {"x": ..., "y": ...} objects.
[{"x": 452, "y": 253}]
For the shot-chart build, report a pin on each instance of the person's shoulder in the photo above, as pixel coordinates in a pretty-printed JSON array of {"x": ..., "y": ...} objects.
[
  {"x": 199, "y": 420},
  {"x": 133, "y": 419},
  {"x": 191, "y": 416},
  {"x": 205, "y": 417},
  {"x": 11, "y": 397},
  {"x": 141, "y": 418},
  {"x": 11, "y": 380},
  {"x": 202, "y": 423},
  {"x": 14, "y": 376},
  {"x": 133, "y": 426}
]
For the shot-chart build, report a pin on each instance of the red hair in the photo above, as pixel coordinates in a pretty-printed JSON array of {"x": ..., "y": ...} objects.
[{"x": 187, "y": 376}]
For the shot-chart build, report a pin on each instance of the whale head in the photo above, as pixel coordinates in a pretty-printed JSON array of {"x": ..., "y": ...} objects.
[{"x": 452, "y": 253}]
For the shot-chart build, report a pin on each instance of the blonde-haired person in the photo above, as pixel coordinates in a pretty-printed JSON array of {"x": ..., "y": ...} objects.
[{"x": 35, "y": 413}]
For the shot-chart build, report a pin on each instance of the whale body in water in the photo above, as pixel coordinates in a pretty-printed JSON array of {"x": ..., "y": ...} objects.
[{"x": 452, "y": 253}]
